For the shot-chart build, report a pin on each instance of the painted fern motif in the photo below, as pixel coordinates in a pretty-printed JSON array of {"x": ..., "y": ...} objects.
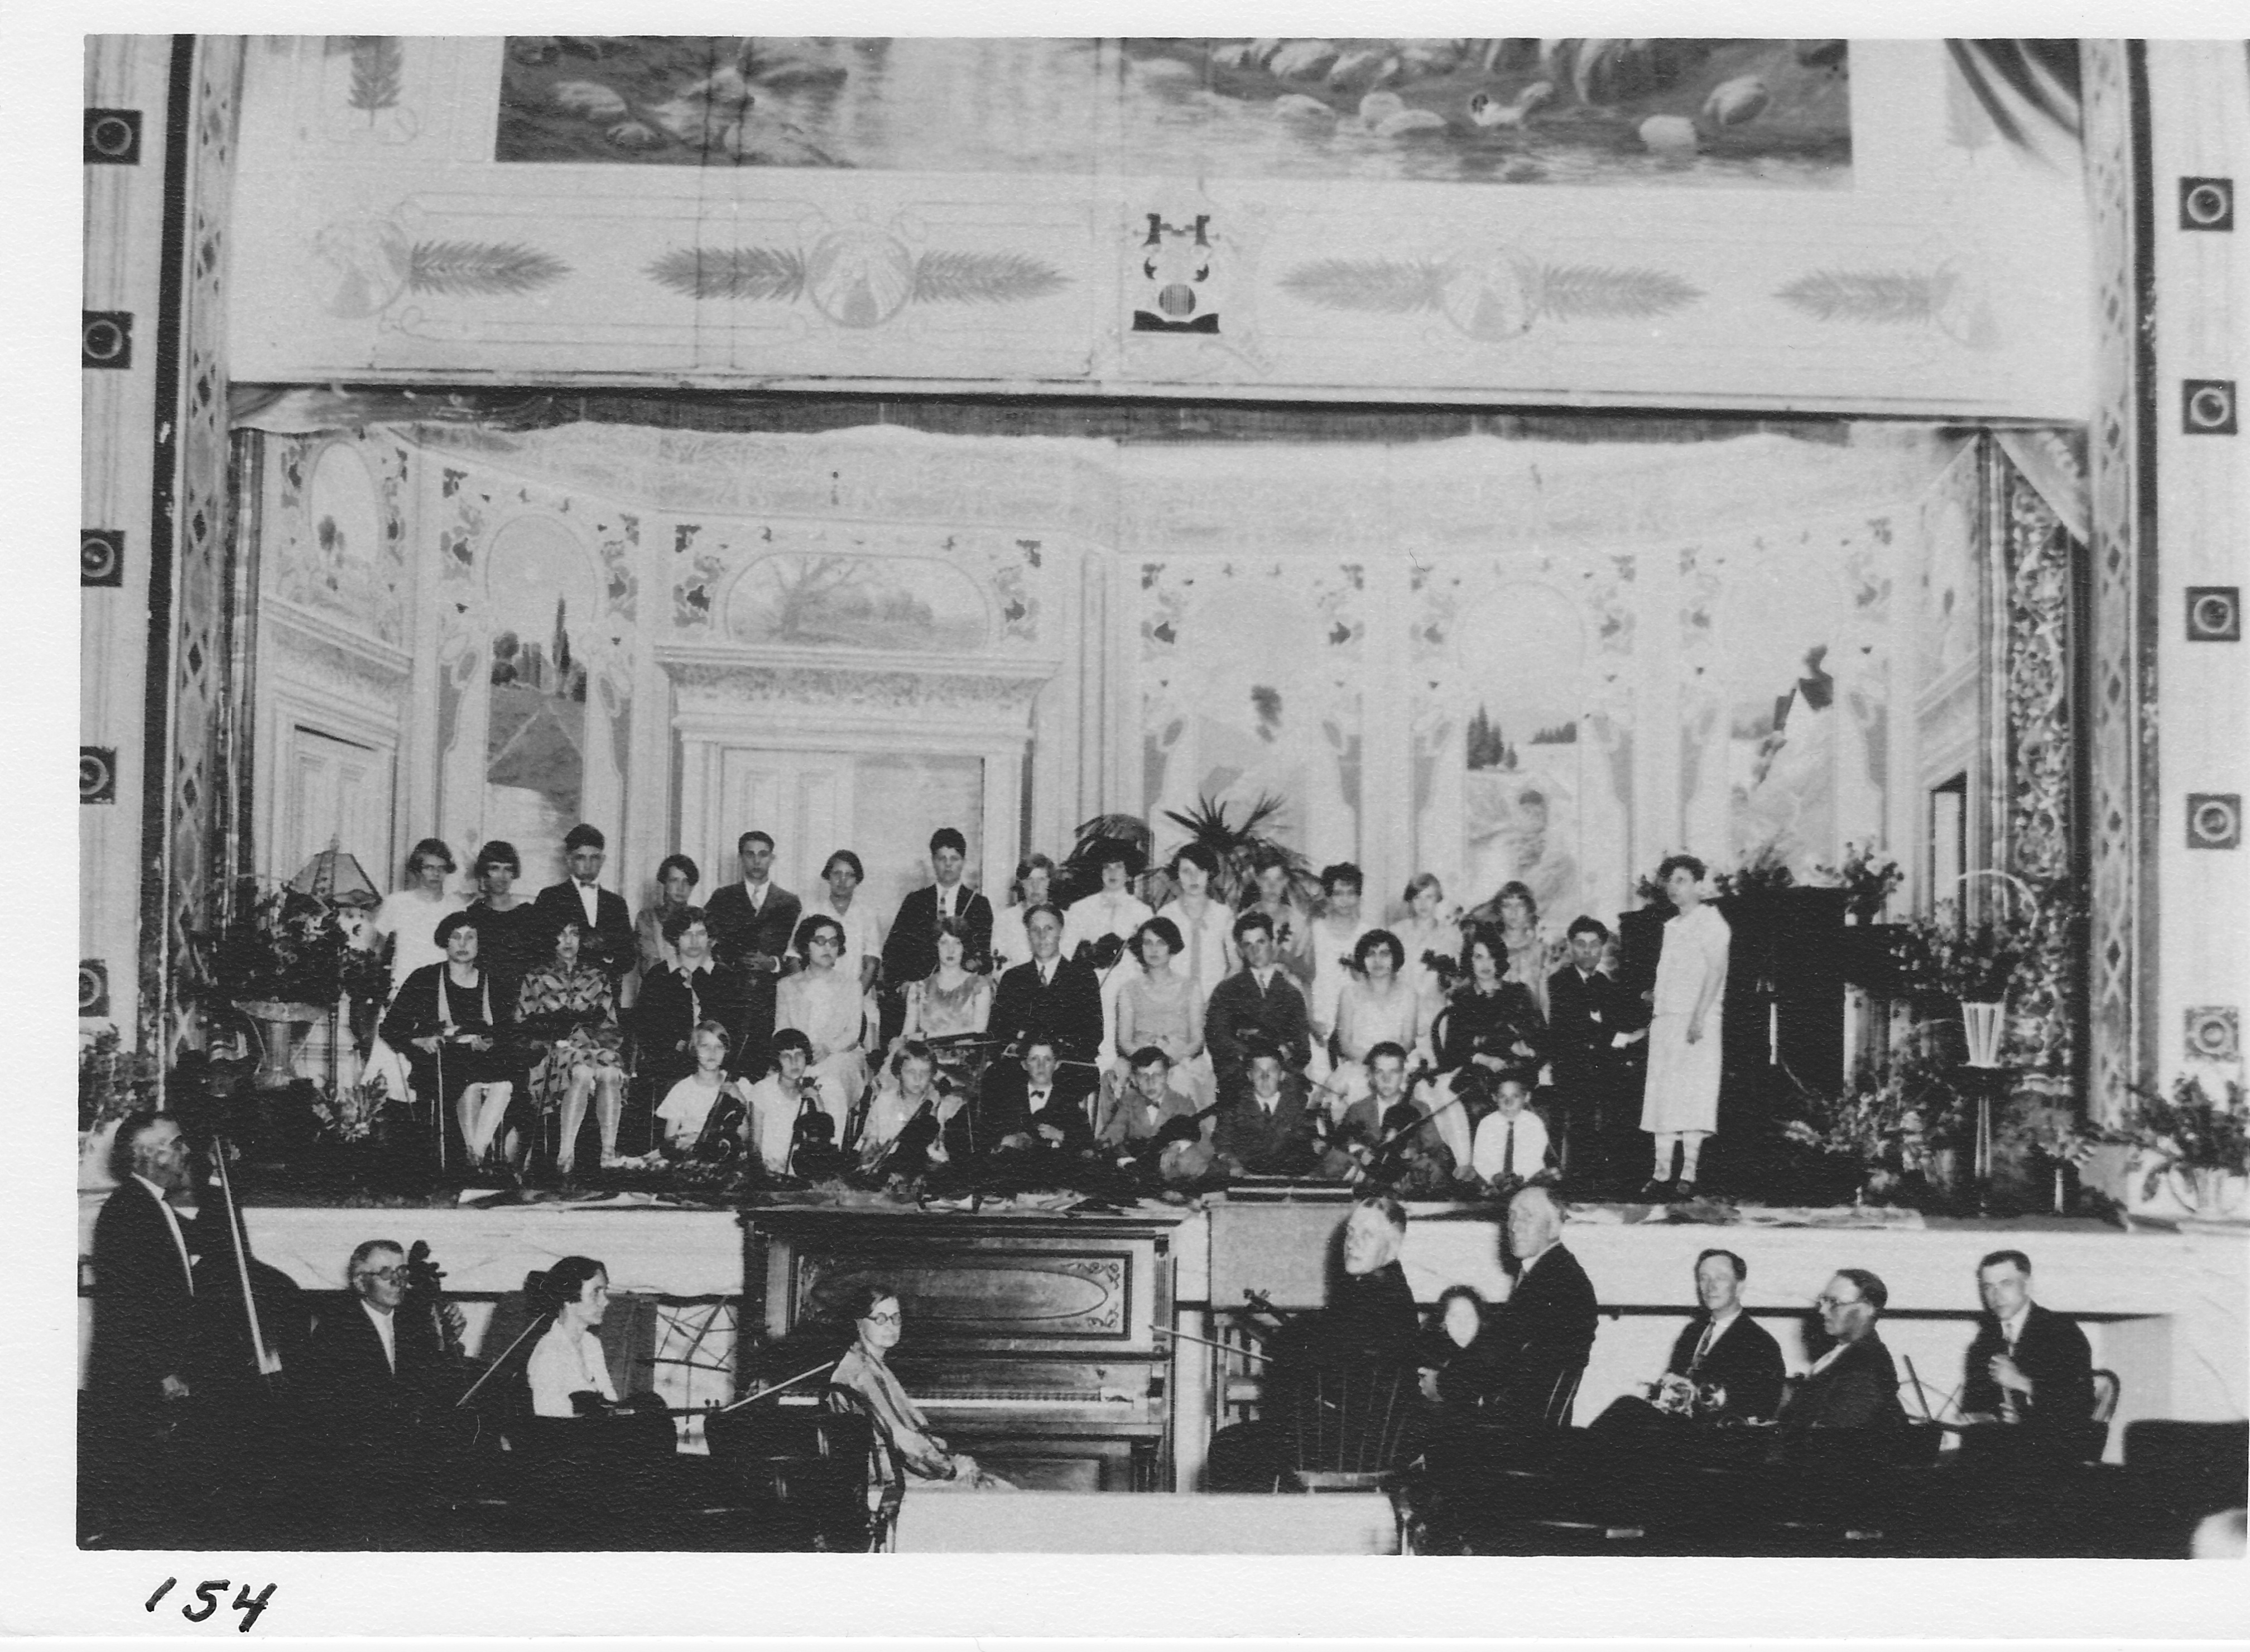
[
  {"x": 1569, "y": 290},
  {"x": 462, "y": 269},
  {"x": 1882, "y": 297},
  {"x": 735, "y": 271},
  {"x": 378, "y": 72},
  {"x": 1383, "y": 286},
  {"x": 984, "y": 277}
]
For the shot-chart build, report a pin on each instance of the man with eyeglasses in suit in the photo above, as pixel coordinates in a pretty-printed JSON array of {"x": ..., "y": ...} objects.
[{"x": 1854, "y": 1384}]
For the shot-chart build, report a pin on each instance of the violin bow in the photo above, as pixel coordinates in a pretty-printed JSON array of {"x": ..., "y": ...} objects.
[{"x": 786, "y": 1382}]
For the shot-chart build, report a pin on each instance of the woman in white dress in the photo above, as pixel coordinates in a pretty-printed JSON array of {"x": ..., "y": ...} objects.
[
  {"x": 1206, "y": 924},
  {"x": 1010, "y": 945},
  {"x": 567, "y": 1359},
  {"x": 1111, "y": 910},
  {"x": 409, "y": 916},
  {"x": 828, "y": 1007},
  {"x": 1376, "y": 1006},
  {"x": 1681, "y": 1105},
  {"x": 1430, "y": 928}
]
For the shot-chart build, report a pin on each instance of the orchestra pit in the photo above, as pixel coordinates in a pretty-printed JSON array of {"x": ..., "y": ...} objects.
[{"x": 1288, "y": 796}]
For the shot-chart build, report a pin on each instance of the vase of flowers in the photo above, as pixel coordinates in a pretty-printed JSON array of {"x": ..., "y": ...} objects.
[
  {"x": 1900, "y": 1129},
  {"x": 2197, "y": 1146},
  {"x": 1867, "y": 877},
  {"x": 113, "y": 1082}
]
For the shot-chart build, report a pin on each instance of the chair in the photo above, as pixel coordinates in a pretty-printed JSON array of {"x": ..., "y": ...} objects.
[
  {"x": 1563, "y": 1396},
  {"x": 1349, "y": 1426},
  {"x": 812, "y": 1463},
  {"x": 2106, "y": 1392},
  {"x": 885, "y": 1481}
]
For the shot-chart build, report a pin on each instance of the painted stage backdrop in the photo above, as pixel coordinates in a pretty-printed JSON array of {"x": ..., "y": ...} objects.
[
  {"x": 1795, "y": 223},
  {"x": 1493, "y": 111}
]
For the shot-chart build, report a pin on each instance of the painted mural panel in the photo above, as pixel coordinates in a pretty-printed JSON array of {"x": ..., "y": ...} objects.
[
  {"x": 1251, "y": 688},
  {"x": 1525, "y": 650},
  {"x": 541, "y": 588},
  {"x": 828, "y": 601},
  {"x": 1582, "y": 111},
  {"x": 338, "y": 531}
]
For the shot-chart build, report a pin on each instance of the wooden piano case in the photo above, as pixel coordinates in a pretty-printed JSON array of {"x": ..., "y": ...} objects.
[{"x": 1031, "y": 1341}]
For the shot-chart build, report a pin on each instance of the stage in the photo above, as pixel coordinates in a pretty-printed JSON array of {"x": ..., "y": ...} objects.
[{"x": 2164, "y": 1309}]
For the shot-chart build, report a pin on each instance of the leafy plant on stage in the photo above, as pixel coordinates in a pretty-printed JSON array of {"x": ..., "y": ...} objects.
[
  {"x": 2024, "y": 953},
  {"x": 2186, "y": 1132},
  {"x": 1765, "y": 871},
  {"x": 349, "y": 1116},
  {"x": 113, "y": 1081},
  {"x": 1240, "y": 844},
  {"x": 1889, "y": 1122},
  {"x": 1648, "y": 890},
  {"x": 1869, "y": 875},
  {"x": 1944, "y": 957}
]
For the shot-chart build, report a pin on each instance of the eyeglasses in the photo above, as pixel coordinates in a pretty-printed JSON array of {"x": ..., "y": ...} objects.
[
  {"x": 388, "y": 1276},
  {"x": 881, "y": 1319},
  {"x": 1838, "y": 1301}
]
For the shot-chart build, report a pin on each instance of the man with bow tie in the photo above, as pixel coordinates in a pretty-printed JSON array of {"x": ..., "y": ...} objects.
[
  {"x": 604, "y": 924},
  {"x": 752, "y": 923},
  {"x": 1039, "y": 1106}
]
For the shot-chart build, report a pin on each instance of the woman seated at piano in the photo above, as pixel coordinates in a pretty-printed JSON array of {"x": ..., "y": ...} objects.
[
  {"x": 828, "y": 1007},
  {"x": 865, "y": 1369}
]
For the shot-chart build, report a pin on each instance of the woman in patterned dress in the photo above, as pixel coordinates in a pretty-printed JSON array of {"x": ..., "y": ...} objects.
[{"x": 568, "y": 1008}]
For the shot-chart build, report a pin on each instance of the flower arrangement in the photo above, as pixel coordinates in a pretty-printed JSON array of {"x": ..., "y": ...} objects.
[
  {"x": 285, "y": 947},
  {"x": 1870, "y": 876},
  {"x": 1887, "y": 1120},
  {"x": 113, "y": 1081},
  {"x": 1765, "y": 871},
  {"x": 1943, "y": 956},
  {"x": 2187, "y": 1132}
]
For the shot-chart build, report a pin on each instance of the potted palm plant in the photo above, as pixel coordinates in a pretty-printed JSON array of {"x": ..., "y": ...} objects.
[{"x": 1241, "y": 845}]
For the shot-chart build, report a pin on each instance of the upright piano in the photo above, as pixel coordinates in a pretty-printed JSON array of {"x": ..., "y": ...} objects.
[{"x": 1031, "y": 1341}]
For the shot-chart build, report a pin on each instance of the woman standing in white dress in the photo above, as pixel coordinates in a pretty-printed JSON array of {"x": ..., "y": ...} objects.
[
  {"x": 1680, "y": 1106},
  {"x": 1429, "y": 929},
  {"x": 409, "y": 916},
  {"x": 863, "y": 933},
  {"x": 1111, "y": 910},
  {"x": 1206, "y": 924},
  {"x": 1010, "y": 945},
  {"x": 1332, "y": 949},
  {"x": 827, "y": 1006}
]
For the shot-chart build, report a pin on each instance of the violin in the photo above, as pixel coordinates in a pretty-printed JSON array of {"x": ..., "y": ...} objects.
[
  {"x": 719, "y": 1141},
  {"x": 812, "y": 1151}
]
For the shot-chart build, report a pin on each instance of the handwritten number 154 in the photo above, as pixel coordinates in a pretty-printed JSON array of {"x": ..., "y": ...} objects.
[{"x": 208, "y": 1592}]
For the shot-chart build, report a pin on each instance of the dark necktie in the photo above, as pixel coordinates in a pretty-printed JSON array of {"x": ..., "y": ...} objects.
[
  {"x": 1507, "y": 1151},
  {"x": 1038, "y": 1100},
  {"x": 1704, "y": 1344}
]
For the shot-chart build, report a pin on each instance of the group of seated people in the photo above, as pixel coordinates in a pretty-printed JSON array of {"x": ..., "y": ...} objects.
[
  {"x": 1449, "y": 1053},
  {"x": 1489, "y": 1374}
]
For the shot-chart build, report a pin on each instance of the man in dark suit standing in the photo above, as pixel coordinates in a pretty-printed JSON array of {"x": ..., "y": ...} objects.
[
  {"x": 1256, "y": 1003},
  {"x": 1263, "y": 1129},
  {"x": 604, "y": 924},
  {"x": 753, "y": 925},
  {"x": 2028, "y": 1365},
  {"x": 143, "y": 1273},
  {"x": 1592, "y": 1022},
  {"x": 143, "y": 1334},
  {"x": 910, "y": 950},
  {"x": 1051, "y": 994},
  {"x": 1535, "y": 1347}
]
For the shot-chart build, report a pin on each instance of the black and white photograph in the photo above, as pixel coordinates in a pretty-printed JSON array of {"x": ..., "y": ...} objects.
[{"x": 1291, "y": 798}]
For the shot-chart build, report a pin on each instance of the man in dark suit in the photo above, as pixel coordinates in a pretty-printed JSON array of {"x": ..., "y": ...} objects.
[
  {"x": 1263, "y": 1129},
  {"x": 1051, "y": 994},
  {"x": 1535, "y": 1347},
  {"x": 1592, "y": 1022},
  {"x": 143, "y": 1274},
  {"x": 753, "y": 926},
  {"x": 1854, "y": 1384},
  {"x": 604, "y": 924},
  {"x": 1723, "y": 1347},
  {"x": 2028, "y": 1365},
  {"x": 1257, "y": 1002},
  {"x": 910, "y": 950},
  {"x": 1037, "y": 1105}
]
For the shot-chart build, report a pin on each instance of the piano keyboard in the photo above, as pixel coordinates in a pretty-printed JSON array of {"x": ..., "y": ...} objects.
[{"x": 1003, "y": 1398}]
